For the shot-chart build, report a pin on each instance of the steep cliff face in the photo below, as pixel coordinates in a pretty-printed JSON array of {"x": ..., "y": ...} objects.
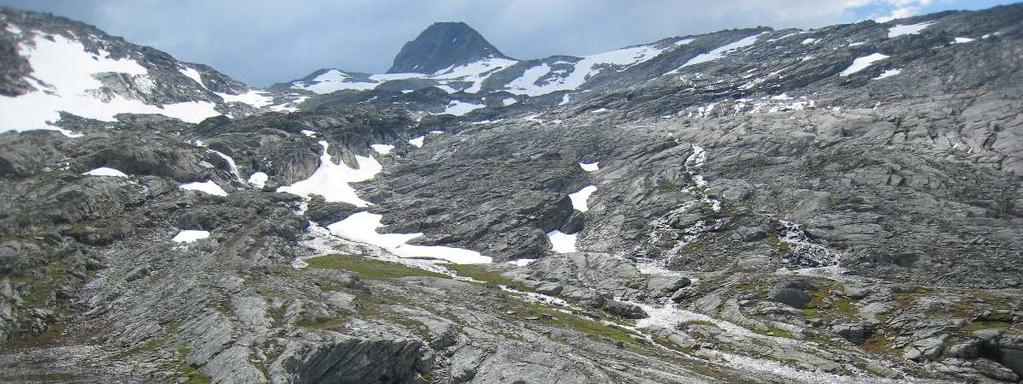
[{"x": 834, "y": 205}]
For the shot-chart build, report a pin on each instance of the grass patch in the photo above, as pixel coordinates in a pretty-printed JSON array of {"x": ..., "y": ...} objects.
[
  {"x": 820, "y": 305},
  {"x": 775, "y": 241},
  {"x": 978, "y": 325},
  {"x": 776, "y": 332},
  {"x": 877, "y": 344},
  {"x": 696, "y": 322},
  {"x": 845, "y": 306},
  {"x": 526, "y": 311},
  {"x": 368, "y": 269},
  {"x": 696, "y": 246},
  {"x": 491, "y": 277},
  {"x": 188, "y": 371}
]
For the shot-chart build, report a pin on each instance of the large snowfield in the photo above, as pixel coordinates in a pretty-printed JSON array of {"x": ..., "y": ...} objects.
[{"x": 64, "y": 78}]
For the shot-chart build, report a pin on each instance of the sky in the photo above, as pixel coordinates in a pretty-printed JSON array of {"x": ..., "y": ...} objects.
[{"x": 260, "y": 42}]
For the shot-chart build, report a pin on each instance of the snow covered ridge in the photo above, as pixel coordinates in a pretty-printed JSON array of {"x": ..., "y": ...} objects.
[
  {"x": 64, "y": 75},
  {"x": 536, "y": 80},
  {"x": 721, "y": 51},
  {"x": 333, "y": 80},
  {"x": 543, "y": 79}
]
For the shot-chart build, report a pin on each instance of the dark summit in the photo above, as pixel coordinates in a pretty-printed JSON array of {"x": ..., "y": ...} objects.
[{"x": 442, "y": 45}]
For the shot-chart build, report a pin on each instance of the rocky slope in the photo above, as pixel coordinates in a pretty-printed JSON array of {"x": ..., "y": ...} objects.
[{"x": 840, "y": 205}]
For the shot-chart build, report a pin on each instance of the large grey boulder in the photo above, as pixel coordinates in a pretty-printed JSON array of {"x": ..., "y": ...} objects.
[{"x": 336, "y": 358}]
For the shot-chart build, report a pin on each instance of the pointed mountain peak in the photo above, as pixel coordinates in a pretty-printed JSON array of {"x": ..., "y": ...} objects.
[{"x": 443, "y": 45}]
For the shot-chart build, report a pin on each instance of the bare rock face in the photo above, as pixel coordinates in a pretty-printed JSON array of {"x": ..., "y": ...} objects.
[{"x": 337, "y": 358}]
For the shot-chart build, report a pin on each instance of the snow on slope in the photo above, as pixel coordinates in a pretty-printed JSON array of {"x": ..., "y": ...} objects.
[
  {"x": 454, "y": 79},
  {"x": 190, "y": 236},
  {"x": 474, "y": 72},
  {"x": 256, "y": 99},
  {"x": 913, "y": 29},
  {"x": 861, "y": 63},
  {"x": 334, "y": 80},
  {"x": 362, "y": 227},
  {"x": 561, "y": 242},
  {"x": 459, "y": 108},
  {"x": 105, "y": 171},
  {"x": 529, "y": 83},
  {"x": 331, "y": 180},
  {"x": 258, "y": 179},
  {"x": 579, "y": 198},
  {"x": 719, "y": 52},
  {"x": 63, "y": 73},
  {"x": 207, "y": 186},
  {"x": 888, "y": 73},
  {"x": 192, "y": 74}
]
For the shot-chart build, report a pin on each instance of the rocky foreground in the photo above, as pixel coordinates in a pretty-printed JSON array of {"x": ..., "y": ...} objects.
[{"x": 756, "y": 217}]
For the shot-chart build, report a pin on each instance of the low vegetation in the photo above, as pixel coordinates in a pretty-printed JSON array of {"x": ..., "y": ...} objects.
[{"x": 367, "y": 268}]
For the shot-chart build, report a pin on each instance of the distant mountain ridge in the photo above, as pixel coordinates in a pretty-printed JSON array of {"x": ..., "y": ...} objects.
[{"x": 443, "y": 45}]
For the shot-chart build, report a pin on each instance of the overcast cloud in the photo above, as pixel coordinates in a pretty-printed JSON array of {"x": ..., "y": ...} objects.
[{"x": 261, "y": 42}]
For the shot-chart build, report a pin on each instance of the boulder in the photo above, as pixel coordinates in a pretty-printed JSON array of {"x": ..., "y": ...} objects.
[
  {"x": 662, "y": 285},
  {"x": 790, "y": 296},
  {"x": 855, "y": 333},
  {"x": 625, "y": 310}
]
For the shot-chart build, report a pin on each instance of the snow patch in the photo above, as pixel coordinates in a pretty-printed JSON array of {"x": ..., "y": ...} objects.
[
  {"x": 459, "y": 108},
  {"x": 585, "y": 68},
  {"x": 230, "y": 165},
  {"x": 963, "y": 40},
  {"x": 334, "y": 80},
  {"x": 561, "y": 242},
  {"x": 256, "y": 99},
  {"x": 719, "y": 52},
  {"x": 207, "y": 186},
  {"x": 417, "y": 141},
  {"x": 579, "y": 198},
  {"x": 888, "y": 73},
  {"x": 590, "y": 167},
  {"x": 190, "y": 236},
  {"x": 105, "y": 171},
  {"x": 64, "y": 74},
  {"x": 192, "y": 74},
  {"x": 861, "y": 63},
  {"x": 331, "y": 180},
  {"x": 362, "y": 227},
  {"x": 913, "y": 29},
  {"x": 258, "y": 179},
  {"x": 521, "y": 262},
  {"x": 509, "y": 101},
  {"x": 382, "y": 149}
]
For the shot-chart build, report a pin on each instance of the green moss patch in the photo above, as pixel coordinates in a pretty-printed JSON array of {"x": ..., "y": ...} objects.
[
  {"x": 488, "y": 276},
  {"x": 367, "y": 268},
  {"x": 188, "y": 371}
]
